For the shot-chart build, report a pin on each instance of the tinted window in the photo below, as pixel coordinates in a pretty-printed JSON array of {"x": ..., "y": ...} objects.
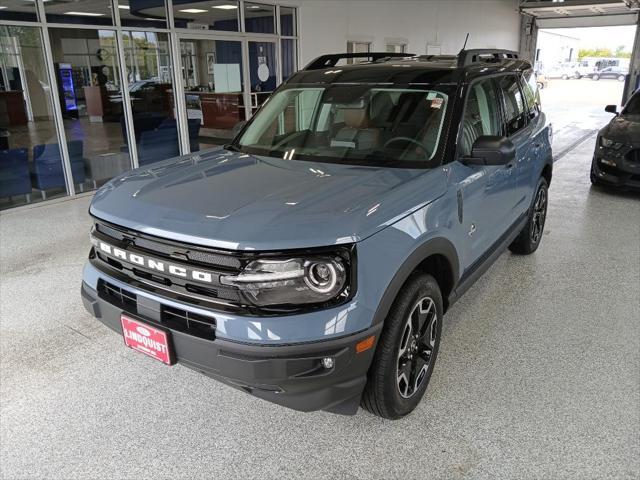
[
  {"x": 633, "y": 106},
  {"x": 481, "y": 115},
  {"x": 531, "y": 93},
  {"x": 514, "y": 110}
]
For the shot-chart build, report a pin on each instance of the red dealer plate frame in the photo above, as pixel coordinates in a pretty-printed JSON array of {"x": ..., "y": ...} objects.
[{"x": 152, "y": 341}]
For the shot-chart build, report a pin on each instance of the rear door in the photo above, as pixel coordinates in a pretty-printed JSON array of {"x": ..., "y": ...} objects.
[{"x": 518, "y": 129}]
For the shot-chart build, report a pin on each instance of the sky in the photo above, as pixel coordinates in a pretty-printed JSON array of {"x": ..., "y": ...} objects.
[{"x": 606, "y": 37}]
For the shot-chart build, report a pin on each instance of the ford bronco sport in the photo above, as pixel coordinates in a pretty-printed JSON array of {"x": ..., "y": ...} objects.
[{"x": 310, "y": 261}]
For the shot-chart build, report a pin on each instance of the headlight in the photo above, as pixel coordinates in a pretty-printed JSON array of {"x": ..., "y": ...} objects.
[
  {"x": 293, "y": 281},
  {"x": 608, "y": 143}
]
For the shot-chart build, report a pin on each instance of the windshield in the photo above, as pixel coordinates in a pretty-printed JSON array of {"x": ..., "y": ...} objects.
[
  {"x": 352, "y": 124},
  {"x": 633, "y": 106}
]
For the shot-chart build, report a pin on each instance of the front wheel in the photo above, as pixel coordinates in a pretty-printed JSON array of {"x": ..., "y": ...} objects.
[
  {"x": 621, "y": 78},
  {"x": 529, "y": 238},
  {"x": 407, "y": 350},
  {"x": 595, "y": 77},
  {"x": 565, "y": 76}
]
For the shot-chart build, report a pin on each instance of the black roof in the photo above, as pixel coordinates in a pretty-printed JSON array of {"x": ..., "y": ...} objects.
[{"x": 406, "y": 69}]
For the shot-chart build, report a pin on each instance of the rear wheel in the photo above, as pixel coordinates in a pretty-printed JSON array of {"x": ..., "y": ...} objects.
[
  {"x": 407, "y": 350},
  {"x": 621, "y": 78},
  {"x": 595, "y": 77},
  {"x": 529, "y": 238},
  {"x": 565, "y": 76}
]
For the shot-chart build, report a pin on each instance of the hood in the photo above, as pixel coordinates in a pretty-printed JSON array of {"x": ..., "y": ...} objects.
[
  {"x": 236, "y": 201},
  {"x": 625, "y": 129}
]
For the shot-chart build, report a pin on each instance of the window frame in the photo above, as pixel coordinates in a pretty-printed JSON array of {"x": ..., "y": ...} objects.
[
  {"x": 501, "y": 116},
  {"x": 525, "y": 111}
]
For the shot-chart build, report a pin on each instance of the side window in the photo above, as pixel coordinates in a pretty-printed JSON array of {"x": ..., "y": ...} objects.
[
  {"x": 514, "y": 111},
  {"x": 481, "y": 115},
  {"x": 531, "y": 93}
]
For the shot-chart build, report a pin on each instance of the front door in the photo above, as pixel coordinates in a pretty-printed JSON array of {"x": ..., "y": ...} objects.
[{"x": 486, "y": 194}]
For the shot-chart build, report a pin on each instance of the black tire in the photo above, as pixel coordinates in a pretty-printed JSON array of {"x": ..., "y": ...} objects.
[
  {"x": 529, "y": 238},
  {"x": 592, "y": 177},
  {"x": 382, "y": 395}
]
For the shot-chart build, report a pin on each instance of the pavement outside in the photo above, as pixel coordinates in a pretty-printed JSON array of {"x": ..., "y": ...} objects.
[{"x": 537, "y": 376}]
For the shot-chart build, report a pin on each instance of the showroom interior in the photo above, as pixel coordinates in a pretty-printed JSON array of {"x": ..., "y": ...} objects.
[{"x": 538, "y": 373}]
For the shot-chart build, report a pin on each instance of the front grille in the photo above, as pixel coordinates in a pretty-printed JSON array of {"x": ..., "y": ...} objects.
[
  {"x": 116, "y": 295},
  {"x": 634, "y": 155},
  {"x": 217, "y": 263},
  {"x": 170, "y": 317},
  {"x": 198, "y": 325}
]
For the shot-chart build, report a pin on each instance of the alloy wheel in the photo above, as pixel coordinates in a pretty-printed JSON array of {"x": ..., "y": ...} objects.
[
  {"x": 539, "y": 215},
  {"x": 417, "y": 347}
]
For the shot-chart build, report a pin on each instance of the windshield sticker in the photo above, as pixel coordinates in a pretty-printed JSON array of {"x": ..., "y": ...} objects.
[
  {"x": 437, "y": 103},
  {"x": 432, "y": 95}
]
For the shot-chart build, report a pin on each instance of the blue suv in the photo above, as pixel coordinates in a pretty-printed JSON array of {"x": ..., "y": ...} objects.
[{"x": 310, "y": 261}]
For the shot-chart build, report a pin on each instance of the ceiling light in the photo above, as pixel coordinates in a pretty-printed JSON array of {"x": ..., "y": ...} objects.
[
  {"x": 85, "y": 14},
  {"x": 225, "y": 7},
  {"x": 192, "y": 10},
  {"x": 124, "y": 7},
  {"x": 3, "y": 7}
]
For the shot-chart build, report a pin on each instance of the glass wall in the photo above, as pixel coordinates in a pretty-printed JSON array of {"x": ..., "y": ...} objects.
[
  {"x": 206, "y": 15},
  {"x": 30, "y": 162},
  {"x": 88, "y": 89},
  {"x": 213, "y": 88},
  {"x": 148, "y": 66},
  {"x": 262, "y": 68},
  {"x": 90, "y": 96}
]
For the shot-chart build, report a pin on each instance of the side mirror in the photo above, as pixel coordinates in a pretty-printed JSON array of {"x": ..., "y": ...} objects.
[
  {"x": 237, "y": 127},
  {"x": 491, "y": 150},
  {"x": 611, "y": 109}
]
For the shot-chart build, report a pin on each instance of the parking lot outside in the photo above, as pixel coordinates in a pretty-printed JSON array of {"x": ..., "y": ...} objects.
[{"x": 537, "y": 375}]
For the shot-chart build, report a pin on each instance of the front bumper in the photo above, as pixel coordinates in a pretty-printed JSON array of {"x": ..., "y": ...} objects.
[
  {"x": 615, "y": 169},
  {"x": 289, "y": 375}
]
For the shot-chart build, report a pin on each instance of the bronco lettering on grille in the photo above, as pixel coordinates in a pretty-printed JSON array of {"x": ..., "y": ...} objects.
[{"x": 155, "y": 264}]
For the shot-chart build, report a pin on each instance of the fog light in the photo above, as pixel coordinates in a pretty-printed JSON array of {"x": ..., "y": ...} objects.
[
  {"x": 327, "y": 362},
  {"x": 608, "y": 162}
]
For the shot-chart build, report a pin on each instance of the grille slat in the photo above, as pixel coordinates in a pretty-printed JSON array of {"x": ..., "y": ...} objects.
[
  {"x": 171, "y": 317},
  {"x": 134, "y": 242}
]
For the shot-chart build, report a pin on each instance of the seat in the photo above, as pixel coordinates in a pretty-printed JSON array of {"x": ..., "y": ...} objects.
[
  {"x": 357, "y": 132},
  {"x": 47, "y": 171},
  {"x": 14, "y": 173}
]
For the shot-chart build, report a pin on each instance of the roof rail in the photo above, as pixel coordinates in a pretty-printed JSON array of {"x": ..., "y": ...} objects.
[
  {"x": 469, "y": 57},
  {"x": 331, "y": 59}
]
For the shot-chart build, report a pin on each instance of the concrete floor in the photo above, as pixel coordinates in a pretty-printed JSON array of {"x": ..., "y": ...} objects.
[{"x": 537, "y": 375}]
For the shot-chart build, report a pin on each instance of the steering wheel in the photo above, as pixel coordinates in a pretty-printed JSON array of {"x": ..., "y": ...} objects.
[{"x": 408, "y": 140}]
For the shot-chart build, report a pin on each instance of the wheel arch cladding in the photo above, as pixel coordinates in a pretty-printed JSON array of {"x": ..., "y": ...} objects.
[
  {"x": 547, "y": 172},
  {"x": 437, "y": 257}
]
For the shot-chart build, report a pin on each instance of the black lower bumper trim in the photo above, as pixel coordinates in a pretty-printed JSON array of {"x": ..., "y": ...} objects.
[{"x": 289, "y": 375}]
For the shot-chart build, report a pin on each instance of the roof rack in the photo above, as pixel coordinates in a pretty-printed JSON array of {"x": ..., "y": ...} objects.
[
  {"x": 469, "y": 57},
  {"x": 330, "y": 60}
]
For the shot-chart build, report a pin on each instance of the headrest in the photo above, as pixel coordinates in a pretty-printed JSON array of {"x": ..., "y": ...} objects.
[{"x": 356, "y": 118}]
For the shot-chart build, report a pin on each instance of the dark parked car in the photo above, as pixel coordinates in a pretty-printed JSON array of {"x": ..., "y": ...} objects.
[
  {"x": 310, "y": 261},
  {"x": 617, "y": 156},
  {"x": 609, "y": 72}
]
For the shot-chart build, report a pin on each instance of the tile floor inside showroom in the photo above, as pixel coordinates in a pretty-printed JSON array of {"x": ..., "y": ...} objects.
[{"x": 537, "y": 376}]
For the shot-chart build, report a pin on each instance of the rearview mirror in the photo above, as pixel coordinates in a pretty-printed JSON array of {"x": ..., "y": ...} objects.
[
  {"x": 611, "y": 109},
  {"x": 491, "y": 150}
]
